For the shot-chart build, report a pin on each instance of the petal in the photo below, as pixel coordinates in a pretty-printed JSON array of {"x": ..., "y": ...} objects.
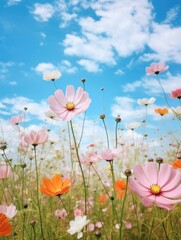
[
  {"x": 164, "y": 174},
  {"x": 138, "y": 188},
  {"x": 139, "y": 173},
  {"x": 173, "y": 181},
  {"x": 57, "y": 182},
  {"x": 148, "y": 202},
  {"x": 79, "y": 235},
  {"x": 167, "y": 201},
  {"x": 70, "y": 93},
  {"x": 78, "y": 96},
  {"x": 151, "y": 172},
  {"x": 175, "y": 193}
]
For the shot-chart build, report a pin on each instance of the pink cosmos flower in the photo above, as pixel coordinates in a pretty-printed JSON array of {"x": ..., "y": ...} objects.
[
  {"x": 156, "y": 68},
  {"x": 176, "y": 93},
  {"x": 90, "y": 158},
  {"x": 5, "y": 171},
  {"x": 78, "y": 212},
  {"x": 160, "y": 186},
  {"x": 69, "y": 105},
  {"x": 10, "y": 211},
  {"x": 110, "y": 154},
  {"x": 36, "y": 138},
  {"x": 16, "y": 120},
  {"x": 61, "y": 214}
]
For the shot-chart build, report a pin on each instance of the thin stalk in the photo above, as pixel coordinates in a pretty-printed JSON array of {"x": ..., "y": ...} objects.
[
  {"x": 72, "y": 164},
  {"x": 122, "y": 210},
  {"x": 116, "y": 135},
  {"x": 62, "y": 203},
  {"x": 107, "y": 137},
  {"x": 82, "y": 132},
  {"x": 80, "y": 165},
  {"x": 54, "y": 84},
  {"x": 37, "y": 193}
]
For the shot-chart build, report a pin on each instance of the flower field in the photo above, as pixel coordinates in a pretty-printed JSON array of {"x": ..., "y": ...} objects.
[{"x": 56, "y": 186}]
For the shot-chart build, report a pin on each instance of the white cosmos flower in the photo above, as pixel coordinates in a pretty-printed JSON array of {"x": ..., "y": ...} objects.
[
  {"x": 52, "y": 76},
  {"x": 10, "y": 211},
  {"x": 133, "y": 125},
  {"x": 77, "y": 225},
  {"x": 146, "y": 101},
  {"x": 51, "y": 115}
]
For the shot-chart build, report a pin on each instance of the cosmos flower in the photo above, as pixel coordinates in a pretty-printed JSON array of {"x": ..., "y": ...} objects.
[
  {"x": 16, "y": 120},
  {"x": 177, "y": 164},
  {"x": 56, "y": 186},
  {"x": 90, "y": 158},
  {"x": 161, "y": 111},
  {"x": 156, "y": 186},
  {"x": 5, "y": 171},
  {"x": 77, "y": 225},
  {"x": 51, "y": 115},
  {"x": 61, "y": 214},
  {"x": 52, "y": 76},
  {"x": 102, "y": 198},
  {"x": 36, "y": 138},
  {"x": 176, "y": 111},
  {"x": 146, "y": 101},
  {"x": 156, "y": 68},
  {"x": 120, "y": 187},
  {"x": 10, "y": 211},
  {"x": 5, "y": 227},
  {"x": 69, "y": 105},
  {"x": 133, "y": 125},
  {"x": 176, "y": 93},
  {"x": 110, "y": 154}
]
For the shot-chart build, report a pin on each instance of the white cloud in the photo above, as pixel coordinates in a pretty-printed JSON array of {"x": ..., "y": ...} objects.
[
  {"x": 66, "y": 66},
  {"x": 151, "y": 85},
  {"x": 12, "y": 83},
  {"x": 4, "y": 66},
  {"x": 13, "y": 2},
  {"x": 165, "y": 44},
  {"x": 107, "y": 36},
  {"x": 89, "y": 65},
  {"x": 119, "y": 72},
  {"x": 172, "y": 14},
  {"x": 66, "y": 18},
  {"x": 44, "y": 67},
  {"x": 42, "y": 12}
]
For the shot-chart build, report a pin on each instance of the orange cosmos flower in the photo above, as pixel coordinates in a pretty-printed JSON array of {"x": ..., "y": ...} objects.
[
  {"x": 5, "y": 227},
  {"x": 177, "y": 163},
  {"x": 120, "y": 187},
  {"x": 102, "y": 198},
  {"x": 55, "y": 186},
  {"x": 161, "y": 111}
]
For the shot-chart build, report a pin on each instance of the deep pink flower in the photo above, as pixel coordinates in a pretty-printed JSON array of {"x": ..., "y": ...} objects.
[
  {"x": 5, "y": 171},
  {"x": 176, "y": 93},
  {"x": 36, "y": 138},
  {"x": 16, "y": 120},
  {"x": 156, "y": 68},
  {"x": 69, "y": 105},
  {"x": 160, "y": 186}
]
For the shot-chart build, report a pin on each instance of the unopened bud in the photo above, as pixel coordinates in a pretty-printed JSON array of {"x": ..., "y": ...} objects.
[
  {"x": 127, "y": 172},
  {"x": 159, "y": 160},
  {"x": 102, "y": 116}
]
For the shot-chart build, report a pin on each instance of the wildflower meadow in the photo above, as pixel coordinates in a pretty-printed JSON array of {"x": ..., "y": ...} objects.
[{"x": 56, "y": 183}]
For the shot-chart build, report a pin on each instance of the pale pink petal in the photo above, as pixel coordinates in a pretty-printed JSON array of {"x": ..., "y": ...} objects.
[
  {"x": 165, "y": 206},
  {"x": 139, "y": 189},
  {"x": 78, "y": 96},
  {"x": 148, "y": 202},
  {"x": 151, "y": 172},
  {"x": 175, "y": 193},
  {"x": 163, "y": 200},
  {"x": 173, "y": 181},
  {"x": 70, "y": 93},
  {"x": 139, "y": 173},
  {"x": 164, "y": 174},
  {"x": 60, "y": 98}
]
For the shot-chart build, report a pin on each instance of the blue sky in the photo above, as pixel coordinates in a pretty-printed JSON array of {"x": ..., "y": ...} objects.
[{"x": 108, "y": 42}]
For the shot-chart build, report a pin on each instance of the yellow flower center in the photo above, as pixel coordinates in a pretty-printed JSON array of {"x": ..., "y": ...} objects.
[
  {"x": 155, "y": 189},
  {"x": 70, "y": 106}
]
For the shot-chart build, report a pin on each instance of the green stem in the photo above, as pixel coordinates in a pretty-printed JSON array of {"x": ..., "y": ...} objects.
[
  {"x": 116, "y": 134},
  {"x": 82, "y": 132},
  {"x": 122, "y": 210},
  {"x": 37, "y": 194},
  {"x": 80, "y": 165},
  {"x": 107, "y": 137}
]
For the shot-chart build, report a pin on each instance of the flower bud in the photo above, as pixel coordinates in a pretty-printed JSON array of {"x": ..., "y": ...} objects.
[
  {"x": 127, "y": 172},
  {"x": 159, "y": 160},
  {"x": 102, "y": 116}
]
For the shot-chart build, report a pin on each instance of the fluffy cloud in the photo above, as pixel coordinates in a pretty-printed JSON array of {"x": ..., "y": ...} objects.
[
  {"x": 42, "y": 12},
  {"x": 165, "y": 44},
  {"x": 151, "y": 85},
  {"x": 44, "y": 67},
  {"x": 89, "y": 65},
  {"x": 13, "y": 2}
]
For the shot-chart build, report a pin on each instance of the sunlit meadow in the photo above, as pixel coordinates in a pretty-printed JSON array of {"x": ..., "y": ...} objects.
[{"x": 56, "y": 183}]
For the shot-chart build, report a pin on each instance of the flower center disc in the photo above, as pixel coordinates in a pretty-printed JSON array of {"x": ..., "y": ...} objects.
[
  {"x": 155, "y": 189},
  {"x": 70, "y": 106}
]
